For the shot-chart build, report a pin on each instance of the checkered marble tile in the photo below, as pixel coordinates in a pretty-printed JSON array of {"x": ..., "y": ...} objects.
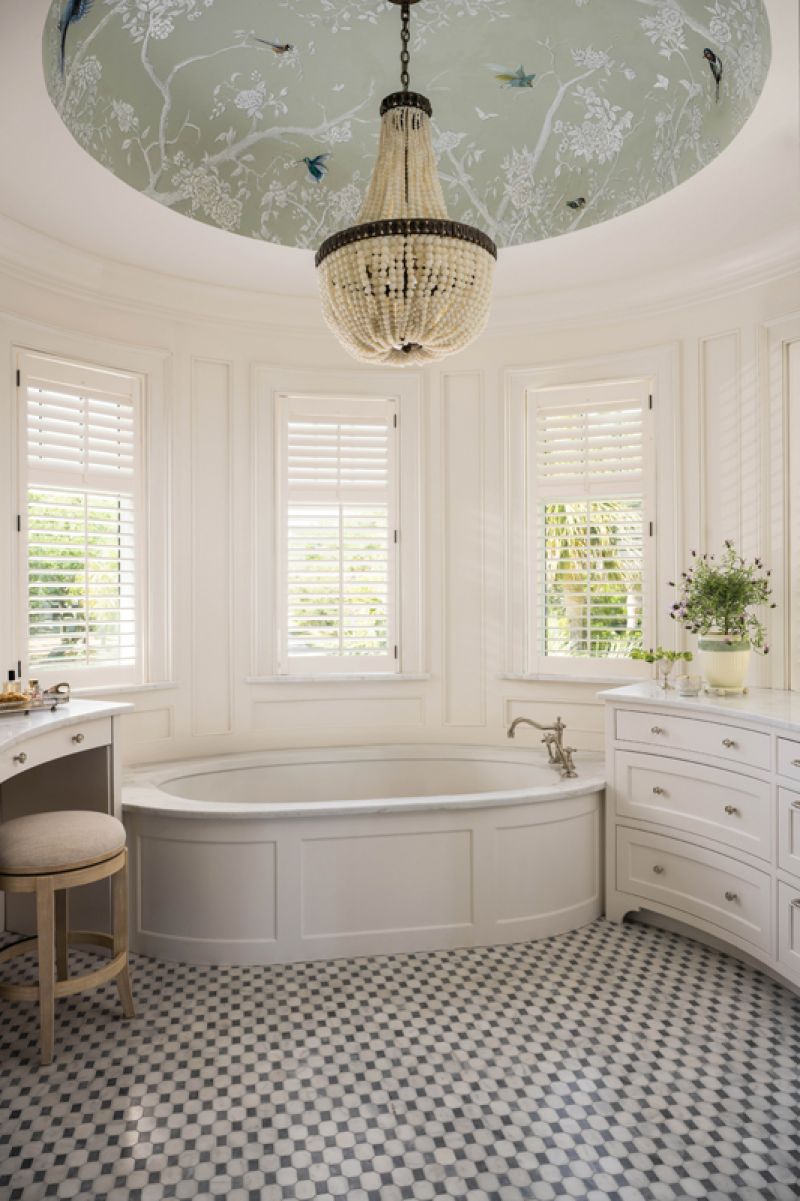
[{"x": 613, "y": 1062}]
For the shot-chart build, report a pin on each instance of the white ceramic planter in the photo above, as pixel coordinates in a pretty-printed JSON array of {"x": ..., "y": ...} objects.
[{"x": 724, "y": 663}]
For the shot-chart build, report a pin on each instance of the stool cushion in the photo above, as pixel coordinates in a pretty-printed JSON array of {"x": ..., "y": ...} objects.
[{"x": 58, "y": 842}]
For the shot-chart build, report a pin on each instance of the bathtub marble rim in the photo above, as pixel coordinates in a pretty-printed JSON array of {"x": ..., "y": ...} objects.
[{"x": 143, "y": 788}]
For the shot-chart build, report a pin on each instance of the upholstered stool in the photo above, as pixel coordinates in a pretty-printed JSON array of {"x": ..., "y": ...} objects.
[{"x": 47, "y": 854}]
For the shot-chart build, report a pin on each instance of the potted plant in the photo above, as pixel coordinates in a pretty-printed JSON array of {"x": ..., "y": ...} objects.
[
  {"x": 664, "y": 660},
  {"x": 718, "y": 600}
]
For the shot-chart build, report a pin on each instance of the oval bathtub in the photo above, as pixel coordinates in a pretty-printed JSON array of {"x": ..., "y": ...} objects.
[{"x": 281, "y": 856}]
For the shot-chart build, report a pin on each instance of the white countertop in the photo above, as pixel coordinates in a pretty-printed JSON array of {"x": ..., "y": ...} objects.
[
  {"x": 19, "y": 727},
  {"x": 772, "y": 706}
]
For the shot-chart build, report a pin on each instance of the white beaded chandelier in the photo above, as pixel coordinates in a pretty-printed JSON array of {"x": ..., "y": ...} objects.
[{"x": 405, "y": 284}]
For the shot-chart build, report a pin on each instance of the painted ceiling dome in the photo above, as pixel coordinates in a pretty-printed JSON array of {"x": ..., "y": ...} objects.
[{"x": 262, "y": 118}]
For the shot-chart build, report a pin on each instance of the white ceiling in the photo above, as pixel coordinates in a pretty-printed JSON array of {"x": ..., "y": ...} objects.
[{"x": 740, "y": 211}]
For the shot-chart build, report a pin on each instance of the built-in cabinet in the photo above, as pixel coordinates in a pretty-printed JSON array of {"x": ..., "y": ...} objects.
[{"x": 703, "y": 816}]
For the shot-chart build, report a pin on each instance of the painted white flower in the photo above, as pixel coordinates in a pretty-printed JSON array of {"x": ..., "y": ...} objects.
[
  {"x": 629, "y": 73},
  {"x": 125, "y": 115},
  {"x": 662, "y": 82},
  {"x": 446, "y": 140},
  {"x": 340, "y": 133},
  {"x": 345, "y": 204},
  {"x": 591, "y": 58},
  {"x": 665, "y": 29},
  {"x": 251, "y": 100},
  {"x": 227, "y": 212}
]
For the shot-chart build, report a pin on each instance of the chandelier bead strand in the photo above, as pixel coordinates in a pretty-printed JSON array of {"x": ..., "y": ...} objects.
[{"x": 406, "y": 284}]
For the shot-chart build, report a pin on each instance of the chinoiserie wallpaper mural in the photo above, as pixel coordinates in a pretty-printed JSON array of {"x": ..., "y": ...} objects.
[{"x": 261, "y": 116}]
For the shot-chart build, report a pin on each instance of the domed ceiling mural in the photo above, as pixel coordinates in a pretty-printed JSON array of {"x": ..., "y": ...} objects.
[{"x": 262, "y": 117}]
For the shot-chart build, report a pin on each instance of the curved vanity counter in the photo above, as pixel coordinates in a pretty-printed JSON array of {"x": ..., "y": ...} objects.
[{"x": 703, "y": 815}]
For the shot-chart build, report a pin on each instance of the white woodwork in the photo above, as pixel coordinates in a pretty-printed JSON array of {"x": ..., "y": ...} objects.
[
  {"x": 734, "y": 743},
  {"x": 789, "y": 758},
  {"x": 725, "y": 805},
  {"x": 789, "y": 930},
  {"x": 789, "y": 831},
  {"x": 312, "y": 854},
  {"x": 212, "y": 372},
  {"x": 697, "y": 882},
  {"x": 701, "y": 832}
]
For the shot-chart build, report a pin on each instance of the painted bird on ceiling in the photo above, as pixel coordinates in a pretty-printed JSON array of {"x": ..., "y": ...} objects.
[
  {"x": 577, "y": 204},
  {"x": 317, "y": 166},
  {"x": 275, "y": 47},
  {"x": 514, "y": 79},
  {"x": 716, "y": 68},
  {"x": 74, "y": 10}
]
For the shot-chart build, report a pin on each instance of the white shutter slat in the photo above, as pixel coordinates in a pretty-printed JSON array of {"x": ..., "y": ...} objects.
[
  {"x": 338, "y": 532},
  {"x": 589, "y": 457}
]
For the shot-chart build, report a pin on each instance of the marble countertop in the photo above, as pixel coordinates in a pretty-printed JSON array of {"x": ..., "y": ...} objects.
[
  {"x": 772, "y": 706},
  {"x": 19, "y": 727}
]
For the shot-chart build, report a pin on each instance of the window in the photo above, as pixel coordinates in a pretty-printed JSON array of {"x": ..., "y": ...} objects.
[
  {"x": 337, "y": 535},
  {"x": 590, "y": 481},
  {"x": 80, "y": 472}
]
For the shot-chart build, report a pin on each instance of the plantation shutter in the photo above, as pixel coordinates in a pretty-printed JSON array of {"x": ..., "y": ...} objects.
[
  {"x": 82, "y": 469},
  {"x": 339, "y": 535},
  {"x": 591, "y": 483}
]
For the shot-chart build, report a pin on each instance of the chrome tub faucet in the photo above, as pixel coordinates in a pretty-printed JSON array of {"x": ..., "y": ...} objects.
[{"x": 560, "y": 756}]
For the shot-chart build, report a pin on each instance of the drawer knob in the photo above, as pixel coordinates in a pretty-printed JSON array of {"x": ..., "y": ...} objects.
[
  {"x": 658, "y": 790},
  {"x": 731, "y": 896},
  {"x": 795, "y": 762},
  {"x": 21, "y": 757},
  {"x": 729, "y": 743},
  {"x": 78, "y": 738},
  {"x": 657, "y": 730},
  {"x": 658, "y": 869},
  {"x": 796, "y": 804},
  {"x": 796, "y": 903},
  {"x": 731, "y": 810}
]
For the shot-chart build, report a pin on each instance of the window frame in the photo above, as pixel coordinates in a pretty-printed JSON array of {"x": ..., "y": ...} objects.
[
  {"x": 76, "y": 375},
  {"x": 319, "y": 384},
  {"x": 151, "y": 369},
  {"x": 566, "y": 395},
  {"x": 659, "y": 367},
  {"x": 288, "y": 404}
]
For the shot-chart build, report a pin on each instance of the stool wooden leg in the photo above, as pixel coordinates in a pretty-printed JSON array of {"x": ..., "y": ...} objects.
[
  {"x": 62, "y": 933},
  {"x": 45, "y": 930},
  {"x": 119, "y": 907}
]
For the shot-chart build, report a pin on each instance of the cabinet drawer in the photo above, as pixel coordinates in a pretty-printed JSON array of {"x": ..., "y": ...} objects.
[
  {"x": 692, "y": 880},
  {"x": 723, "y": 741},
  {"x": 789, "y": 930},
  {"x": 789, "y": 831},
  {"x": 41, "y": 748},
  {"x": 789, "y": 758},
  {"x": 695, "y": 799}
]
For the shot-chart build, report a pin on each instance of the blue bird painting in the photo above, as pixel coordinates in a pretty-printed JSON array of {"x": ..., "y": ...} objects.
[
  {"x": 514, "y": 79},
  {"x": 75, "y": 10},
  {"x": 276, "y": 47},
  {"x": 317, "y": 166},
  {"x": 716, "y": 68}
]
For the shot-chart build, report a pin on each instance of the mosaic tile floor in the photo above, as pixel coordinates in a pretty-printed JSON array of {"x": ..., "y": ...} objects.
[{"x": 613, "y": 1062}]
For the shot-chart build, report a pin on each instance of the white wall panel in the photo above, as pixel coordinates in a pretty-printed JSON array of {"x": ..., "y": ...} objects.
[
  {"x": 292, "y": 714},
  {"x": 720, "y": 483},
  {"x": 463, "y": 584},
  {"x": 147, "y": 725},
  {"x": 211, "y": 549}
]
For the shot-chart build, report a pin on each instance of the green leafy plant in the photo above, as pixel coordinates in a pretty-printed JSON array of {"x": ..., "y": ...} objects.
[
  {"x": 661, "y": 654},
  {"x": 720, "y": 596}
]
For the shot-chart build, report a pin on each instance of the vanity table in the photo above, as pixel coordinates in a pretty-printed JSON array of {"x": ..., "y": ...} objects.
[
  {"x": 62, "y": 759},
  {"x": 703, "y": 816}
]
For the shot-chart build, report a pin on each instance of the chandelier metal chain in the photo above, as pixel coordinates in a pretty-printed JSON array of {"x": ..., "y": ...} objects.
[{"x": 405, "y": 36}]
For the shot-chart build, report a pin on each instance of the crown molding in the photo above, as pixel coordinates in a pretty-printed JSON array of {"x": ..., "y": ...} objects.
[{"x": 39, "y": 261}]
